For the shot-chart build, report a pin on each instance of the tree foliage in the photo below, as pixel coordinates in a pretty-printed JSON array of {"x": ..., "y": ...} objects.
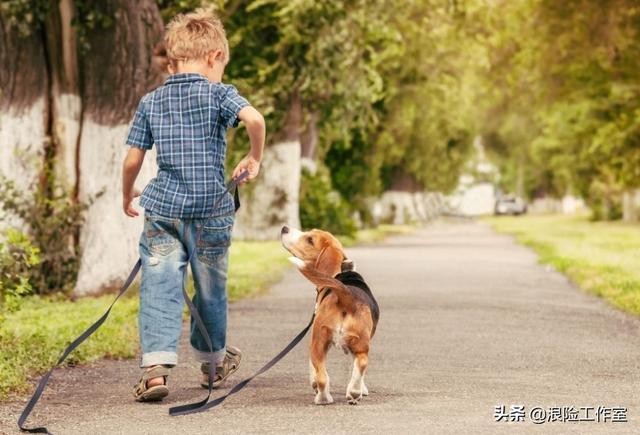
[
  {"x": 394, "y": 91},
  {"x": 322, "y": 207},
  {"x": 564, "y": 105},
  {"x": 17, "y": 257}
]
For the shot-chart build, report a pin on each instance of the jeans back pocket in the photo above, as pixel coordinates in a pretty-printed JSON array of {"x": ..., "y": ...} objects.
[
  {"x": 159, "y": 237},
  {"x": 214, "y": 239}
]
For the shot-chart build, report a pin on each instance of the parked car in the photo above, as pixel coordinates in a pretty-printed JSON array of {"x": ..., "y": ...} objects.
[{"x": 512, "y": 205}]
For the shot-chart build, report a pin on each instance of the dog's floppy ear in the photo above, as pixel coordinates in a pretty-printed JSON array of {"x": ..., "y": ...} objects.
[
  {"x": 329, "y": 260},
  {"x": 348, "y": 266}
]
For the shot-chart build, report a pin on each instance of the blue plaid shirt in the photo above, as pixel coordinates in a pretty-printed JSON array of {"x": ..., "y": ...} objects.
[{"x": 187, "y": 118}]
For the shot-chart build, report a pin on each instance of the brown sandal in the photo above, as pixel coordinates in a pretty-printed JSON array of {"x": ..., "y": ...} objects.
[
  {"x": 229, "y": 365},
  {"x": 142, "y": 393}
]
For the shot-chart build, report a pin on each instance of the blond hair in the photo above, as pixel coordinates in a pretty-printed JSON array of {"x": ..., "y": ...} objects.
[{"x": 192, "y": 36}]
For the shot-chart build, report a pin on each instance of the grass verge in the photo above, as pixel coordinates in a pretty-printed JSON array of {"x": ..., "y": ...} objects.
[
  {"x": 32, "y": 338},
  {"x": 601, "y": 257}
]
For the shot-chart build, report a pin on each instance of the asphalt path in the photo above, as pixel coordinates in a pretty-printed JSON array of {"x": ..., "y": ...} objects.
[{"x": 470, "y": 323}]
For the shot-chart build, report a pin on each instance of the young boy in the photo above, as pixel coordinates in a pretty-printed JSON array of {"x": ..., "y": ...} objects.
[{"x": 187, "y": 119}]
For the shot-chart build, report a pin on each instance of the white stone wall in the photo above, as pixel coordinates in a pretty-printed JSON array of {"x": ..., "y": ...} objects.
[
  {"x": 572, "y": 204},
  {"x": 474, "y": 200},
  {"x": 569, "y": 204},
  {"x": 399, "y": 207}
]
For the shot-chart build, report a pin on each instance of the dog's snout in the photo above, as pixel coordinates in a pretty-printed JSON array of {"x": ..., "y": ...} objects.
[{"x": 285, "y": 229}]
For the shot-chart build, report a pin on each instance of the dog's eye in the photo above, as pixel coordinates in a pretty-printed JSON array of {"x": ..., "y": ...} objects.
[{"x": 310, "y": 240}]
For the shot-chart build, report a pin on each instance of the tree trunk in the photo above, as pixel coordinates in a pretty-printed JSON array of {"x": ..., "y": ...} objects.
[
  {"x": 24, "y": 106},
  {"x": 65, "y": 102},
  {"x": 520, "y": 175},
  {"x": 403, "y": 182},
  {"x": 309, "y": 143},
  {"x": 117, "y": 72},
  {"x": 631, "y": 206},
  {"x": 58, "y": 104},
  {"x": 273, "y": 199},
  {"x": 309, "y": 138}
]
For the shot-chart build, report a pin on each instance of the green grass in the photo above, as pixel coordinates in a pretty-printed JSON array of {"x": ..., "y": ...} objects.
[
  {"x": 601, "y": 257},
  {"x": 254, "y": 267},
  {"x": 32, "y": 338}
]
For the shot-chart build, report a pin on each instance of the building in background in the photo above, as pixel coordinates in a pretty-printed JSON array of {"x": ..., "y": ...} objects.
[{"x": 476, "y": 193}]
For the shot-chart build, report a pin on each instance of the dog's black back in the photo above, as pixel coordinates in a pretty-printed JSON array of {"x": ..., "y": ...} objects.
[{"x": 361, "y": 291}]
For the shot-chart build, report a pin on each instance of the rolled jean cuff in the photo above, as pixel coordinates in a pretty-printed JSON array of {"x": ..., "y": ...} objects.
[
  {"x": 217, "y": 356},
  {"x": 159, "y": 358}
]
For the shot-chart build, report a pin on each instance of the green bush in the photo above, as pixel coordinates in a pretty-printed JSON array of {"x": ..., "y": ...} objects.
[
  {"x": 17, "y": 257},
  {"x": 53, "y": 222},
  {"x": 322, "y": 207}
]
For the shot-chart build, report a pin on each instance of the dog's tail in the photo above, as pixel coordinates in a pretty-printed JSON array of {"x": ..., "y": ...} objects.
[{"x": 321, "y": 280}]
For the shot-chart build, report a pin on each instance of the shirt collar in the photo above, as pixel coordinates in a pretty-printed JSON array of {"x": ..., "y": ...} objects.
[{"x": 185, "y": 78}]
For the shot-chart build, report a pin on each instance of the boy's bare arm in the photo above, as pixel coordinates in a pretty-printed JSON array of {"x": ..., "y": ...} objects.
[
  {"x": 130, "y": 169},
  {"x": 254, "y": 122}
]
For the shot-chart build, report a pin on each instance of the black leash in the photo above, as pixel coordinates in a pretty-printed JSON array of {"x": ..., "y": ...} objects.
[
  {"x": 205, "y": 404},
  {"x": 45, "y": 379},
  {"x": 200, "y": 406}
]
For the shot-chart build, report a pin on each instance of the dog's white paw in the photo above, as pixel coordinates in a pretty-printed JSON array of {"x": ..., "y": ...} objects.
[
  {"x": 323, "y": 398},
  {"x": 365, "y": 390},
  {"x": 296, "y": 262}
]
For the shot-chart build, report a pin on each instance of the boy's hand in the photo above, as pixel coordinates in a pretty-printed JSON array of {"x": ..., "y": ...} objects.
[
  {"x": 249, "y": 164},
  {"x": 130, "y": 169},
  {"x": 127, "y": 206},
  {"x": 256, "y": 130}
]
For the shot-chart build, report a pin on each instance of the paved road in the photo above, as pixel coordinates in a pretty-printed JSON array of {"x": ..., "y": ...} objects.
[{"x": 469, "y": 321}]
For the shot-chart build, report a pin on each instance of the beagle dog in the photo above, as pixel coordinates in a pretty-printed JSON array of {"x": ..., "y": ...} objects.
[{"x": 346, "y": 311}]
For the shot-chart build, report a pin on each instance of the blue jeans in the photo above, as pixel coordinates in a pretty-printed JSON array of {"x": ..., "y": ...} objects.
[{"x": 165, "y": 246}]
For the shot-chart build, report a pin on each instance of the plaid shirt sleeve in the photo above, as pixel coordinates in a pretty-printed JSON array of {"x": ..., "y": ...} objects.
[
  {"x": 140, "y": 131},
  {"x": 230, "y": 105}
]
